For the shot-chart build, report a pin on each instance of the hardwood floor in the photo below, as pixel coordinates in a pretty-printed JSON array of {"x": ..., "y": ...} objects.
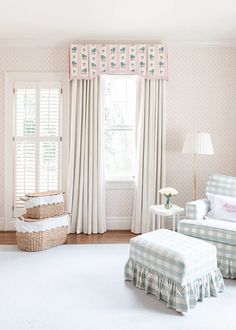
[
  {"x": 110, "y": 237},
  {"x": 8, "y": 237}
]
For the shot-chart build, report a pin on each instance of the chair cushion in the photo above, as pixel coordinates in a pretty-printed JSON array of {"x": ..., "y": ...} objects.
[
  {"x": 224, "y": 250},
  {"x": 180, "y": 258},
  {"x": 222, "y": 207},
  {"x": 210, "y": 229}
]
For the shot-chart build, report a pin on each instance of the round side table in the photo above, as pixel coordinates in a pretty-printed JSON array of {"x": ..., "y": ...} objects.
[{"x": 159, "y": 211}]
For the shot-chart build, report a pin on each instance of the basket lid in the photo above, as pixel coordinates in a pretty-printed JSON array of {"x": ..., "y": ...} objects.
[
  {"x": 24, "y": 218},
  {"x": 44, "y": 193}
]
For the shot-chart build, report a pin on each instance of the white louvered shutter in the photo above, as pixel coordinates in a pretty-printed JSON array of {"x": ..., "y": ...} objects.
[{"x": 37, "y": 139}]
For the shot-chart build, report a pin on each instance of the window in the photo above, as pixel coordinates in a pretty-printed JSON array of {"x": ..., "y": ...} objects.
[
  {"x": 37, "y": 142},
  {"x": 36, "y": 107},
  {"x": 119, "y": 103}
]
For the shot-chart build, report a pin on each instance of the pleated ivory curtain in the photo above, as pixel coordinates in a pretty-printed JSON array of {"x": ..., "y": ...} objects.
[
  {"x": 150, "y": 171},
  {"x": 86, "y": 180}
]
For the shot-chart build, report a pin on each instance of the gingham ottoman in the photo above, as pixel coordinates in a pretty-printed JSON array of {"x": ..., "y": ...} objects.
[{"x": 176, "y": 268}]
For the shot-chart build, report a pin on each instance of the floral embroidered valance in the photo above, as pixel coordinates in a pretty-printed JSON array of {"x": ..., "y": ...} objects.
[{"x": 90, "y": 60}]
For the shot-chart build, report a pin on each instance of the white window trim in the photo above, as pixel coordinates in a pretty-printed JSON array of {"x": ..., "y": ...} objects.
[
  {"x": 10, "y": 79},
  {"x": 119, "y": 182},
  {"x": 120, "y": 185}
]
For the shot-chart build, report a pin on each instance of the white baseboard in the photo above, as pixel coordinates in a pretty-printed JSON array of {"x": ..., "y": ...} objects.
[
  {"x": 113, "y": 223},
  {"x": 118, "y": 223},
  {"x": 7, "y": 226},
  {"x": 2, "y": 224},
  {"x": 11, "y": 225}
]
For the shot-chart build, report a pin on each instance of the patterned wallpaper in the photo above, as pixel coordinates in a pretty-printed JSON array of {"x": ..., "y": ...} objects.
[
  {"x": 119, "y": 203},
  {"x": 31, "y": 60},
  {"x": 201, "y": 95}
]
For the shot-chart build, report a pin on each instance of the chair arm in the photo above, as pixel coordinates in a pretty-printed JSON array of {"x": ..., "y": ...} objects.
[{"x": 197, "y": 210}]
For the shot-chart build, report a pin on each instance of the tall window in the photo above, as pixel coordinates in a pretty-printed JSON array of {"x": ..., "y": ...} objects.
[
  {"x": 37, "y": 138},
  {"x": 119, "y": 102}
]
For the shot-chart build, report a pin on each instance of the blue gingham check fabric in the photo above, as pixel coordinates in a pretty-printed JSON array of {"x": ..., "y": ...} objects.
[
  {"x": 221, "y": 185},
  {"x": 176, "y": 256},
  {"x": 217, "y": 184},
  {"x": 226, "y": 259},
  {"x": 225, "y": 250},
  {"x": 197, "y": 210},
  {"x": 222, "y": 234},
  {"x": 209, "y": 229},
  {"x": 176, "y": 268}
]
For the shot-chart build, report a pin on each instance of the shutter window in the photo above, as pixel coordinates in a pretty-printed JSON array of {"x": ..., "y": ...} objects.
[
  {"x": 25, "y": 169},
  {"x": 48, "y": 166},
  {"x": 37, "y": 142},
  {"x": 26, "y": 112},
  {"x": 49, "y": 111}
]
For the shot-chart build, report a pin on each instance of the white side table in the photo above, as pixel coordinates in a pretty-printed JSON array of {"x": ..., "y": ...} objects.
[{"x": 161, "y": 211}]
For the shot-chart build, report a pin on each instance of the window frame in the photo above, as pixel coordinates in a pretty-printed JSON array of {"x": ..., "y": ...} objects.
[
  {"x": 114, "y": 181},
  {"x": 11, "y": 79},
  {"x": 37, "y": 138}
]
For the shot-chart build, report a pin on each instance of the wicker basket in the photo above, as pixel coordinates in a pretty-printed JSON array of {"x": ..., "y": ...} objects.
[
  {"x": 33, "y": 241},
  {"x": 43, "y": 210},
  {"x": 43, "y": 194},
  {"x": 42, "y": 240}
]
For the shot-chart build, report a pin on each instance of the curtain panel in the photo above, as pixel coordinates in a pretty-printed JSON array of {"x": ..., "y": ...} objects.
[
  {"x": 90, "y": 60},
  {"x": 86, "y": 191},
  {"x": 85, "y": 183},
  {"x": 151, "y": 145}
]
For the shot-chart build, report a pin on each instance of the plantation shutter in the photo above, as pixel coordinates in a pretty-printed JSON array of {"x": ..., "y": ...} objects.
[{"x": 37, "y": 139}]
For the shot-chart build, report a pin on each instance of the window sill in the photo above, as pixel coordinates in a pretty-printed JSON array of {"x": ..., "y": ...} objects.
[{"x": 128, "y": 184}]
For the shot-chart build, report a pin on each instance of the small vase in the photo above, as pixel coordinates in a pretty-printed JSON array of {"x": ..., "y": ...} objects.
[{"x": 168, "y": 204}]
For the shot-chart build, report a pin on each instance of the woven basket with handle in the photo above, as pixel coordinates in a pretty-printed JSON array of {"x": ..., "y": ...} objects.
[
  {"x": 41, "y": 240},
  {"x": 43, "y": 211}
]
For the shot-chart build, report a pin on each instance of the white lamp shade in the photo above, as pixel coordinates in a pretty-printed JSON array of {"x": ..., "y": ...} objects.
[{"x": 198, "y": 143}]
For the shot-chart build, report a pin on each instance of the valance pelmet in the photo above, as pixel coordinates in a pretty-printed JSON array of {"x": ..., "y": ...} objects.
[{"x": 91, "y": 60}]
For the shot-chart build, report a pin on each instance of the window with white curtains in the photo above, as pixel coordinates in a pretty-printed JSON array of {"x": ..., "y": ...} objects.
[
  {"x": 35, "y": 120},
  {"x": 119, "y": 94}
]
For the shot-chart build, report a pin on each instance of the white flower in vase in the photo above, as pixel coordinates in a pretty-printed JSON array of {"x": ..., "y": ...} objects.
[{"x": 168, "y": 193}]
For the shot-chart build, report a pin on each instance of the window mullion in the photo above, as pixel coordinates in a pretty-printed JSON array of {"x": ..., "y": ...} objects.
[{"x": 119, "y": 128}]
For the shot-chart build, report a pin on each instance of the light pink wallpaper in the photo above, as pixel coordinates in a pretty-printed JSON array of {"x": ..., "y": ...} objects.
[
  {"x": 119, "y": 203},
  {"x": 31, "y": 60},
  {"x": 201, "y": 95}
]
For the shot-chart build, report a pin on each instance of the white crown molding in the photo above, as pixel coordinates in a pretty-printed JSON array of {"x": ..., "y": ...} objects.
[
  {"x": 202, "y": 44},
  {"x": 33, "y": 43}
]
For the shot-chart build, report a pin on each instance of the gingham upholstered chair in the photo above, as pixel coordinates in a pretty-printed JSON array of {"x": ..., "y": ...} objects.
[{"x": 218, "y": 232}]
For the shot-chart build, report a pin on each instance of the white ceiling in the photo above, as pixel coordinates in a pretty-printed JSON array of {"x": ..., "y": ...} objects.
[{"x": 60, "y": 22}]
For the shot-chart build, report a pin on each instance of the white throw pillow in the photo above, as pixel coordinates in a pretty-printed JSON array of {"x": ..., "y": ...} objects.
[{"x": 222, "y": 207}]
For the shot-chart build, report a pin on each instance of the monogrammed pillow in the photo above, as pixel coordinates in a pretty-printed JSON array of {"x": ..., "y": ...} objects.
[{"x": 222, "y": 207}]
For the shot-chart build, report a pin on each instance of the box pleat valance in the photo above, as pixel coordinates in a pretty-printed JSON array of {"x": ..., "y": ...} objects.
[{"x": 90, "y": 60}]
